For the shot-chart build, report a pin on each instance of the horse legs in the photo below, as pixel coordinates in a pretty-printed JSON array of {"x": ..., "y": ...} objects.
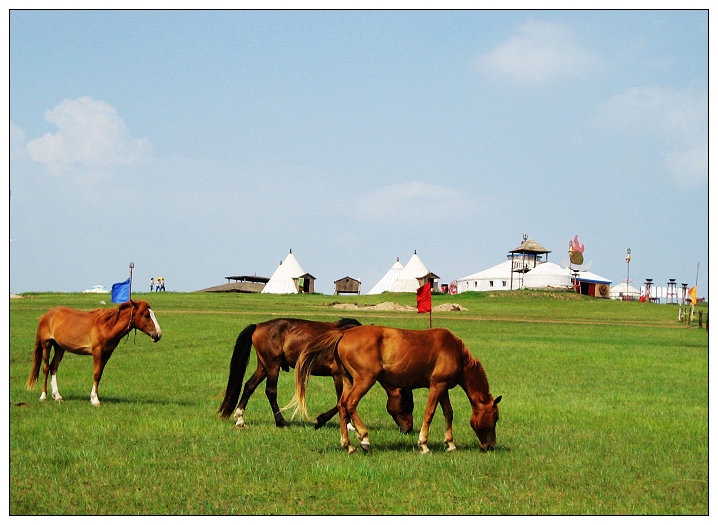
[
  {"x": 436, "y": 391},
  {"x": 348, "y": 404},
  {"x": 326, "y": 416},
  {"x": 50, "y": 368},
  {"x": 249, "y": 387},
  {"x": 449, "y": 417},
  {"x": 99, "y": 359},
  {"x": 271, "y": 391}
]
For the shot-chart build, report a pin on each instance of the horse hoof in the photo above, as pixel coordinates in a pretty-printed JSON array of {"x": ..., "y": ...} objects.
[
  {"x": 351, "y": 449},
  {"x": 424, "y": 449},
  {"x": 365, "y": 444},
  {"x": 43, "y": 397}
]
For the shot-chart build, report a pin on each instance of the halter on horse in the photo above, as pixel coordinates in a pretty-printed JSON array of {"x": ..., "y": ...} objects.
[{"x": 96, "y": 333}]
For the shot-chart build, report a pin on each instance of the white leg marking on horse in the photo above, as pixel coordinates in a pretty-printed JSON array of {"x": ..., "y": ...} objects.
[
  {"x": 350, "y": 427},
  {"x": 157, "y": 325},
  {"x": 55, "y": 392},
  {"x": 93, "y": 397},
  {"x": 43, "y": 396},
  {"x": 239, "y": 413}
]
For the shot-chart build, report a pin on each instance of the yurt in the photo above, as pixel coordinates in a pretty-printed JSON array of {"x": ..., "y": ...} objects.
[
  {"x": 547, "y": 275},
  {"x": 289, "y": 277},
  {"x": 495, "y": 278},
  {"x": 624, "y": 292},
  {"x": 390, "y": 277}
]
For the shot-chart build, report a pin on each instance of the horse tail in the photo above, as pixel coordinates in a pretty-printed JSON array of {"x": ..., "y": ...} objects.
[
  {"x": 237, "y": 368},
  {"x": 36, "y": 362},
  {"x": 321, "y": 348}
]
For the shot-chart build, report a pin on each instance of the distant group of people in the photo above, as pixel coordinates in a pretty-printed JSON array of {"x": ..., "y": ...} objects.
[{"x": 160, "y": 284}]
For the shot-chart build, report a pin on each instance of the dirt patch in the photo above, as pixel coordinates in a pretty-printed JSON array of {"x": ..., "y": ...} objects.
[
  {"x": 389, "y": 306},
  {"x": 453, "y": 307}
]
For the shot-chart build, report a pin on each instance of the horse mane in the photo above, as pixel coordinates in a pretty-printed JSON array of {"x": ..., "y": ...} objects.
[
  {"x": 474, "y": 370},
  {"x": 111, "y": 317},
  {"x": 345, "y": 322}
]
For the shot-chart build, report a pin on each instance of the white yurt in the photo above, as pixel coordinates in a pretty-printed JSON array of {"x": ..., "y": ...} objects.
[
  {"x": 495, "y": 278},
  {"x": 390, "y": 277},
  {"x": 621, "y": 290},
  {"x": 547, "y": 275}
]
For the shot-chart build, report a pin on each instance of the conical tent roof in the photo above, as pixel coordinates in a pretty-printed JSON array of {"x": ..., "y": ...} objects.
[
  {"x": 390, "y": 277},
  {"x": 282, "y": 280},
  {"x": 408, "y": 279}
]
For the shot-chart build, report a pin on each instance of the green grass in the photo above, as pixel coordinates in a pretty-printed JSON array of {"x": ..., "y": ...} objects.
[{"x": 604, "y": 411}]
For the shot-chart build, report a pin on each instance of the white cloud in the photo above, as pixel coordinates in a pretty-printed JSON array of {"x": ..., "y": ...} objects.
[
  {"x": 17, "y": 142},
  {"x": 675, "y": 121},
  {"x": 410, "y": 202},
  {"x": 90, "y": 135},
  {"x": 540, "y": 53}
]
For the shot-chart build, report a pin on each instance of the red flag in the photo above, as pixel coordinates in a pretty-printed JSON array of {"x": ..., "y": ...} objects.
[{"x": 423, "y": 298}]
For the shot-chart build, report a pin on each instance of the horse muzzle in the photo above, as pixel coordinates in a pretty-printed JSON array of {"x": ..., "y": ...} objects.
[{"x": 156, "y": 337}]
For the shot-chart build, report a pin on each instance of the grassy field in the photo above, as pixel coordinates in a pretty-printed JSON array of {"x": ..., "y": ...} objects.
[{"x": 604, "y": 411}]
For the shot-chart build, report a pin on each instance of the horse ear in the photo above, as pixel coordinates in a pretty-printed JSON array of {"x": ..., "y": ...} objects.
[{"x": 496, "y": 401}]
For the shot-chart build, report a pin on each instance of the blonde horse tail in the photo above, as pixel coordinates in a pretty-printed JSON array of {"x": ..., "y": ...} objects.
[
  {"x": 321, "y": 348},
  {"x": 36, "y": 362}
]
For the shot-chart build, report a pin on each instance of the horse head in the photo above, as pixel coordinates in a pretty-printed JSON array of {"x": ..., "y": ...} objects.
[
  {"x": 143, "y": 319},
  {"x": 483, "y": 421}
]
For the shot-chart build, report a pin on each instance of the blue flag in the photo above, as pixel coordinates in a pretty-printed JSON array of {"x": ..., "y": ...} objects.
[{"x": 121, "y": 292}]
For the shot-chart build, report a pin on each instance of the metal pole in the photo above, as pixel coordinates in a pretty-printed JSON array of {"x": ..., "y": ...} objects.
[{"x": 132, "y": 265}]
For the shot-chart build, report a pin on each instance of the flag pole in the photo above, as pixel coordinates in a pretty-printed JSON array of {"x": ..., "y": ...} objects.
[{"x": 132, "y": 265}]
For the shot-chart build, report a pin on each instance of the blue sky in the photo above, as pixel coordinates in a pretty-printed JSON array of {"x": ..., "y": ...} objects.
[{"x": 205, "y": 144}]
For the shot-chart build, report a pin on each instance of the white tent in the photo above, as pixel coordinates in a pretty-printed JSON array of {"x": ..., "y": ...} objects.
[
  {"x": 283, "y": 278},
  {"x": 408, "y": 279},
  {"x": 495, "y": 278},
  {"x": 621, "y": 290},
  {"x": 547, "y": 275},
  {"x": 390, "y": 277}
]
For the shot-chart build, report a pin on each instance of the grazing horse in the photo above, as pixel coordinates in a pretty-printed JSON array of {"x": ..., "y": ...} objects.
[
  {"x": 278, "y": 343},
  {"x": 435, "y": 359},
  {"x": 96, "y": 333}
]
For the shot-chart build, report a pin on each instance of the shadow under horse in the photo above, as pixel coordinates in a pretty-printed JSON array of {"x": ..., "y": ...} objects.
[
  {"x": 435, "y": 359},
  {"x": 278, "y": 343}
]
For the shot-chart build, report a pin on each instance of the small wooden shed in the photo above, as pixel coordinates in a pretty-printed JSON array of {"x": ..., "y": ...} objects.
[{"x": 347, "y": 285}]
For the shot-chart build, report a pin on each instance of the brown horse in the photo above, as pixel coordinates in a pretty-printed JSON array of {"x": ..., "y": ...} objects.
[
  {"x": 96, "y": 333},
  {"x": 435, "y": 359},
  {"x": 278, "y": 343}
]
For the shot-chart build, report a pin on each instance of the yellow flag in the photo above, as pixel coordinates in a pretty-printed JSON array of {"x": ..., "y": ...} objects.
[{"x": 692, "y": 293}]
